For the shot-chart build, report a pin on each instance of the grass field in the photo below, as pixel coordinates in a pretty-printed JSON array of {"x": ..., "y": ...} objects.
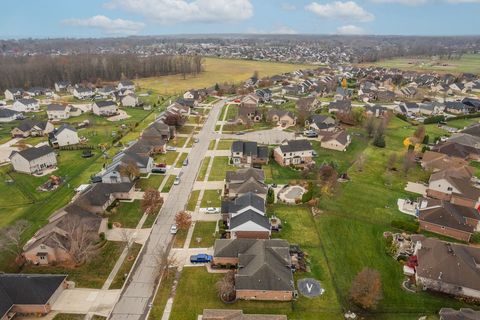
[
  {"x": 216, "y": 71},
  {"x": 128, "y": 214},
  {"x": 192, "y": 200},
  {"x": 205, "y": 232},
  {"x": 154, "y": 181},
  {"x": 203, "y": 169},
  {"x": 211, "y": 198},
  {"x": 468, "y": 63},
  {"x": 219, "y": 168}
]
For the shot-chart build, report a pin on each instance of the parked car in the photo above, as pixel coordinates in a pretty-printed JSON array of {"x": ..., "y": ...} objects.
[
  {"x": 196, "y": 140},
  {"x": 310, "y": 134},
  {"x": 177, "y": 181},
  {"x": 87, "y": 154},
  {"x": 212, "y": 210},
  {"x": 159, "y": 170},
  {"x": 201, "y": 258},
  {"x": 96, "y": 179},
  {"x": 185, "y": 162},
  {"x": 160, "y": 165},
  {"x": 173, "y": 229},
  {"x": 170, "y": 148}
]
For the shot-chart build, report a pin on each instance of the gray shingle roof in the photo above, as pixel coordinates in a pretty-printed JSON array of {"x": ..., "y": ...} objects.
[
  {"x": 105, "y": 104},
  {"x": 252, "y": 216},
  {"x": 296, "y": 146},
  {"x": 34, "y": 153},
  {"x": 7, "y": 113}
]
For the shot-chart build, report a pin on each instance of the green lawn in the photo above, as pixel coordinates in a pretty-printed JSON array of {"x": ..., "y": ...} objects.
[
  {"x": 220, "y": 167},
  {"x": 185, "y": 129},
  {"x": 68, "y": 316},
  {"x": 149, "y": 221},
  {"x": 128, "y": 214},
  {"x": 179, "y": 239},
  {"x": 126, "y": 266},
  {"x": 162, "y": 296},
  {"x": 232, "y": 112},
  {"x": 205, "y": 232},
  {"x": 167, "y": 158},
  {"x": 91, "y": 275},
  {"x": 211, "y": 198},
  {"x": 154, "y": 181},
  {"x": 183, "y": 156},
  {"x": 234, "y": 128},
  {"x": 168, "y": 185},
  {"x": 192, "y": 200},
  {"x": 178, "y": 142},
  {"x": 211, "y": 145},
  {"x": 225, "y": 144},
  {"x": 203, "y": 169}
]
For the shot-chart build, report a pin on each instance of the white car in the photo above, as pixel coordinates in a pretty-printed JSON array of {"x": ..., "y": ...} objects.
[
  {"x": 177, "y": 181},
  {"x": 212, "y": 210},
  {"x": 170, "y": 148},
  {"x": 173, "y": 229}
]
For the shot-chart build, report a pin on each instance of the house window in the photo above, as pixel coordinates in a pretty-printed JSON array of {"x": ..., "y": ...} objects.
[{"x": 449, "y": 189}]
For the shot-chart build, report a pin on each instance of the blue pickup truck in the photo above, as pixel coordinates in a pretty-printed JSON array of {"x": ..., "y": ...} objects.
[{"x": 201, "y": 258}]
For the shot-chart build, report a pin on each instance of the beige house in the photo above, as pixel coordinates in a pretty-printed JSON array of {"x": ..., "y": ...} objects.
[
  {"x": 337, "y": 141},
  {"x": 66, "y": 135},
  {"x": 105, "y": 108},
  {"x": 130, "y": 100},
  {"x": 281, "y": 117},
  {"x": 27, "y": 128},
  {"x": 58, "y": 111},
  {"x": 33, "y": 160},
  {"x": 294, "y": 152}
]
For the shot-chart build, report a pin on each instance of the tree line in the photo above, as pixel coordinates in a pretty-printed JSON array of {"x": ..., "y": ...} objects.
[{"x": 44, "y": 70}]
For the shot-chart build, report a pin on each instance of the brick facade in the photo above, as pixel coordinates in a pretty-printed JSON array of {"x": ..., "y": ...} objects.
[
  {"x": 264, "y": 295},
  {"x": 453, "y": 233}
]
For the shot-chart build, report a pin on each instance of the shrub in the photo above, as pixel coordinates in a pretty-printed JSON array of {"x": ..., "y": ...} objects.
[
  {"x": 109, "y": 225},
  {"x": 402, "y": 117},
  {"x": 409, "y": 226},
  {"x": 307, "y": 196},
  {"x": 102, "y": 236},
  {"x": 426, "y": 139},
  {"x": 270, "y": 196},
  {"x": 475, "y": 238},
  {"x": 434, "y": 119}
]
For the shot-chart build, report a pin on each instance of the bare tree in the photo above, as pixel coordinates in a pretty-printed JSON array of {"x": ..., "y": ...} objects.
[
  {"x": 166, "y": 262},
  {"x": 152, "y": 201},
  {"x": 408, "y": 162},
  {"x": 11, "y": 239},
  {"x": 366, "y": 289},
  {"x": 79, "y": 241},
  {"x": 175, "y": 119},
  {"x": 419, "y": 134},
  {"x": 370, "y": 126},
  {"x": 392, "y": 160},
  {"x": 226, "y": 287}
]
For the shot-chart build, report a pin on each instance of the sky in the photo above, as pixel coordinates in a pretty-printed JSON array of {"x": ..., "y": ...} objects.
[{"x": 107, "y": 18}]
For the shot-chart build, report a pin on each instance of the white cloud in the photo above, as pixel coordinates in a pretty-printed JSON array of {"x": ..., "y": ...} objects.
[
  {"x": 348, "y": 10},
  {"x": 288, "y": 7},
  {"x": 179, "y": 11},
  {"x": 405, "y": 2},
  {"x": 350, "y": 29},
  {"x": 422, "y": 2},
  {"x": 109, "y": 26}
]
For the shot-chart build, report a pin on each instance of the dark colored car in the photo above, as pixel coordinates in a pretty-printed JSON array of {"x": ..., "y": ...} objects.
[
  {"x": 87, "y": 154},
  {"x": 201, "y": 258},
  {"x": 96, "y": 179}
]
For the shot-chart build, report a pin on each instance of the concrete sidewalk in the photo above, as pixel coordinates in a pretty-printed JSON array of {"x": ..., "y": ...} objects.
[
  {"x": 208, "y": 185},
  {"x": 84, "y": 301}
]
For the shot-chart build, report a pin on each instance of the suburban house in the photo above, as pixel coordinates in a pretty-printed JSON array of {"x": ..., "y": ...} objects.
[
  {"x": 129, "y": 100},
  {"x": 60, "y": 112},
  {"x": 66, "y": 135},
  {"x": 245, "y": 153},
  {"x": 318, "y": 122},
  {"x": 447, "y": 267},
  {"x": 376, "y": 111},
  {"x": 33, "y": 160},
  {"x": 27, "y": 128},
  {"x": 462, "y": 314},
  {"x": 340, "y": 106},
  {"x": 264, "y": 94},
  {"x": 113, "y": 172},
  {"x": 243, "y": 181},
  {"x": 246, "y": 217},
  {"x": 105, "y": 108},
  {"x": 53, "y": 243},
  {"x": 282, "y": 118},
  {"x": 247, "y": 114},
  {"x": 126, "y": 85},
  {"x": 225, "y": 314},
  {"x": 307, "y": 104},
  {"x": 26, "y": 294},
  {"x": 264, "y": 267},
  {"x": 250, "y": 101},
  {"x": 106, "y": 92},
  {"x": 454, "y": 185},
  {"x": 294, "y": 152},
  {"x": 158, "y": 133},
  {"x": 81, "y": 92},
  {"x": 62, "y": 86},
  {"x": 13, "y": 94},
  {"x": 338, "y": 141},
  {"x": 450, "y": 220},
  {"x": 26, "y": 105},
  {"x": 99, "y": 196},
  {"x": 436, "y": 161},
  {"x": 7, "y": 115},
  {"x": 456, "y": 107},
  {"x": 458, "y": 150}
]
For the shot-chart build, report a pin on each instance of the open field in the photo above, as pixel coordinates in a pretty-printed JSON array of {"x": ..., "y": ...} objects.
[
  {"x": 468, "y": 63},
  {"x": 216, "y": 71},
  {"x": 203, "y": 234}
]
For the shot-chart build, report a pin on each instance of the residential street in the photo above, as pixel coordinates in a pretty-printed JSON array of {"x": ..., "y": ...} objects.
[
  {"x": 271, "y": 136},
  {"x": 139, "y": 291}
]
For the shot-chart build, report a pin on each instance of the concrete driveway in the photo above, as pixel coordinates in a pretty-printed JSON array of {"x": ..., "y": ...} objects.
[
  {"x": 123, "y": 234},
  {"x": 122, "y": 115},
  {"x": 181, "y": 257},
  {"x": 271, "y": 136},
  {"x": 208, "y": 185},
  {"x": 83, "y": 301},
  {"x": 6, "y": 149}
]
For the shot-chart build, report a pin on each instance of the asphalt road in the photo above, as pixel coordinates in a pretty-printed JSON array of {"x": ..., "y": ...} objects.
[{"x": 139, "y": 291}]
